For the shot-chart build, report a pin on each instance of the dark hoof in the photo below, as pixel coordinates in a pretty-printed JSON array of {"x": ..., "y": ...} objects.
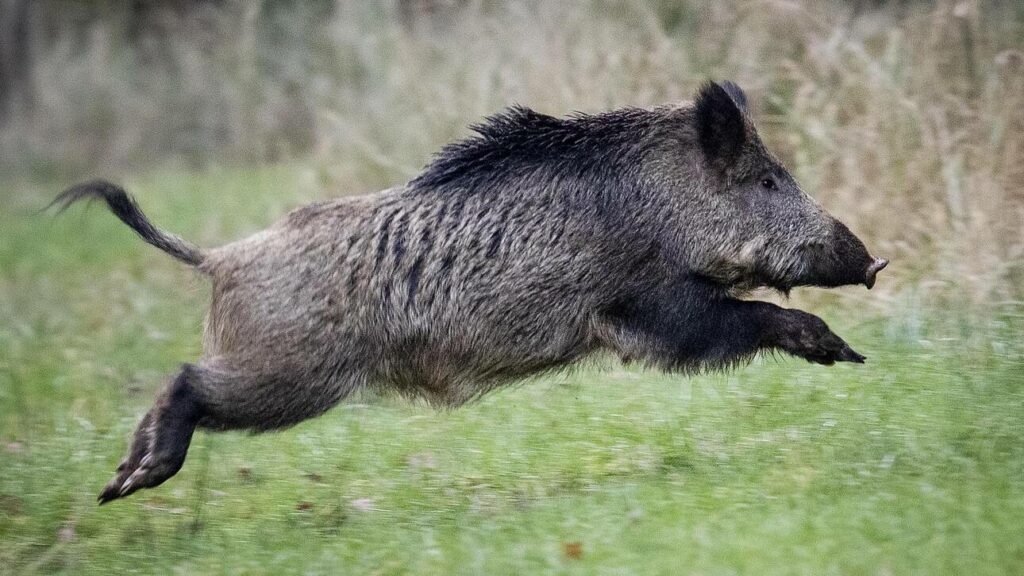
[
  {"x": 808, "y": 337},
  {"x": 848, "y": 354},
  {"x": 830, "y": 352},
  {"x": 140, "y": 445},
  {"x": 150, "y": 470}
]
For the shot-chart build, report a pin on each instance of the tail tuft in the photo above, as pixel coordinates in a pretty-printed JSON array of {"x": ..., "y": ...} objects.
[{"x": 124, "y": 207}]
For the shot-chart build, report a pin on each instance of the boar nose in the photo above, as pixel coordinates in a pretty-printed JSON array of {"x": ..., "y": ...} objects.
[{"x": 876, "y": 265}]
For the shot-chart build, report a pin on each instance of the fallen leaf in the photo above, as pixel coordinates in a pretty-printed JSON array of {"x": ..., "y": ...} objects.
[{"x": 572, "y": 550}]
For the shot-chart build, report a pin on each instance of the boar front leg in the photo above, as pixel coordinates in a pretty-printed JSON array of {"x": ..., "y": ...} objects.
[
  {"x": 804, "y": 335},
  {"x": 692, "y": 325}
]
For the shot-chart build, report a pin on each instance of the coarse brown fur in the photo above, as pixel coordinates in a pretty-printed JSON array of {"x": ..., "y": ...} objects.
[{"x": 525, "y": 248}]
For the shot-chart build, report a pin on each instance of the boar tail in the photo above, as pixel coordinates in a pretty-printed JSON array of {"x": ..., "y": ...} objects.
[{"x": 124, "y": 207}]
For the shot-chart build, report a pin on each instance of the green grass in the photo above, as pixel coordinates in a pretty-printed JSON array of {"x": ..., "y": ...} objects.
[{"x": 910, "y": 464}]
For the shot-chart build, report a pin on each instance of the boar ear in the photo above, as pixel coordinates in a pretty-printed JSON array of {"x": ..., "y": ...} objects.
[
  {"x": 736, "y": 93},
  {"x": 720, "y": 123}
]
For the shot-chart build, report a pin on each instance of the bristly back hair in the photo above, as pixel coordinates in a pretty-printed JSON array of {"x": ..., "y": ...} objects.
[{"x": 520, "y": 140}]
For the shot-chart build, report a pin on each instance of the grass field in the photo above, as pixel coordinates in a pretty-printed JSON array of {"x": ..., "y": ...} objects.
[{"x": 910, "y": 464}]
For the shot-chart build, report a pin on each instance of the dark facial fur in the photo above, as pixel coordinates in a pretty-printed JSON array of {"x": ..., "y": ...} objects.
[
  {"x": 738, "y": 215},
  {"x": 523, "y": 249}
]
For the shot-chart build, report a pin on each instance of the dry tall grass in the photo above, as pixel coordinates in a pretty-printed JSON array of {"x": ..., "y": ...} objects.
[{"x": 907, "y": 119}]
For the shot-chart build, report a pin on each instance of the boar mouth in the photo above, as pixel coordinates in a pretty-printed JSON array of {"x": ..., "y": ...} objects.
[{"x": 812, "y": 266}]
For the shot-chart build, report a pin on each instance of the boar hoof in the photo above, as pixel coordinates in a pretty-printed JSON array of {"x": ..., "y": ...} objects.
[
  {"x": 161, "y": 441},
  {"x": 152, "y": 469},
  {"x": 808, "y": 337}
]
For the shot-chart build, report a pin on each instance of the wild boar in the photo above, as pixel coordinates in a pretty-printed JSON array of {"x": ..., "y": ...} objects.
[{"x": 533, "y": 244}]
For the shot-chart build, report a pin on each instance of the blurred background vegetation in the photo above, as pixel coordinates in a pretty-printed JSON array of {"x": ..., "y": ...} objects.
[{"x": 904, "y": 118}]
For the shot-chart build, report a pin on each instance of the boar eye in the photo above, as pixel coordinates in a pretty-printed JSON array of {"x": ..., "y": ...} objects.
[{"x": 768, "y": 184}]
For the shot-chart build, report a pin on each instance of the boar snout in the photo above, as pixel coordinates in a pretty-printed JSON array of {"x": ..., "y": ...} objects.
[
  {"x": 876, "y": 265},
  {"x": 841, "y": 260}
]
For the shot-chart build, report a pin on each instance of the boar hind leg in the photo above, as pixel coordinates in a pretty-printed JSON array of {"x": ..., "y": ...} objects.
[
  {"x": 236, "y": 399},
  {"x": 216, "y": 397},
  {"x": 161, "y": 439}
]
